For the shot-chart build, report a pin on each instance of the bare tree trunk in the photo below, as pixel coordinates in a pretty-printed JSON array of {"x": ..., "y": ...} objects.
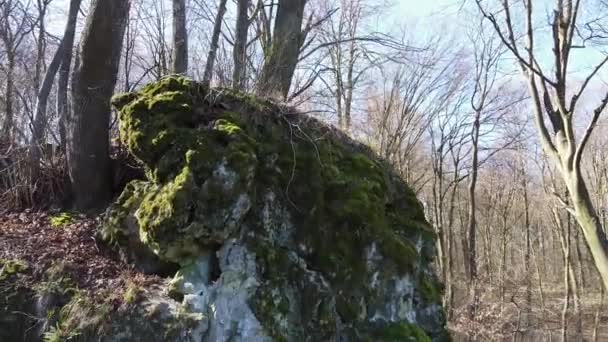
[
  {"x": 40, "y": 118},
  {"x": 215, "y": 39},
  {"x": 449, "y": 294},
  {"x": 40, "y": 41},
  {"x": 527, "y": 268},
  {"x": 487, "y": 251},
  {"x": 575, "y": 289},
  {"x": 180, "y": 38},
  {"x": 541, "y": 291},
  {"x": 589, "y": 222},
  {"x": 556, "y": 100},
  {"x": 8, "y": 125},
  {"x": 64, "y": 70},
  {"x": 93, "y": 84},
  {"x": 579, "y": 259},
  {"x": 287, "y": 39},
  {"x": 564, "y": 237},
  {"x": 239, "y": 52},
  {"x": 472, "y": 221},
  {"x": 598, "y": 313},
  {"x": 503, "y": 263}
]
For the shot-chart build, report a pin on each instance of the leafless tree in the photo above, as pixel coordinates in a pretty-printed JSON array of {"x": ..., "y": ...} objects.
[
  {"x": 15, "y": 26},
  {"x": 180, "y": 38},
  {"x": 64, "y": 70},
  {"x": 215, "y": 38},
  {"x": 40, "y": 119},
  {"x": 239, "y": 51},
  {"x": 283, "y": 53},
  {"x": 93, "y": 84},
  {"x": 551, "y": 100}
]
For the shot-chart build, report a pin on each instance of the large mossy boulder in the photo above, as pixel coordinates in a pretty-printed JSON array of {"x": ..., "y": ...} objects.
[{"x": 282, "y": 228}]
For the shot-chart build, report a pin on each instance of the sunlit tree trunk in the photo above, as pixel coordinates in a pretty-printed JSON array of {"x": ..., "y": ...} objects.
[
  {"x": 93, "y": 84},
  {"x": 64, "y": 70},
  {"x": 40, "y": 118},
  {"x": 239, "y": 53},
  {"x": 282, "y": 59},
  {"x": 180, "y": 38},
  {"x": 555, "y": 99}
]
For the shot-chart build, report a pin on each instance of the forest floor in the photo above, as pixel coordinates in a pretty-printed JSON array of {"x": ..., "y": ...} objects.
[
  {"x": 42, "y": 240},
  {"x": 514, "y": 320}
]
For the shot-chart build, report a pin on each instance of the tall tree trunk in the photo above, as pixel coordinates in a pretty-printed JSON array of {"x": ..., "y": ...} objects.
[
  {"x": 503, "y": 262},
  {"x": 8, "y": 125},
  {"x": 180, "y": 38},
  {"x": 598, "y": 313},
  {"x": 527, "y": 255},
  {"x": 472, "y": 220},
  {"x": 282, "y": 59},
  {"x": 239, "y": 53},
  {"x": 40, "y": 118},
  {"x": 64, "y": 70},
  {"x": 588, "y": 220},
  {"x": 93, "y": 84},
  {"x": 215, "y": 40},
  {"x": 350, "y": 83},
  {"x": 40, "y": 42},
  {"x": 564, "y": 238}
]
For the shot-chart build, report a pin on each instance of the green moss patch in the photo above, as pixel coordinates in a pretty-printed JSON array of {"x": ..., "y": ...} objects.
[
  {"x": 62, "y": 220},
  {"x": 9, "y": 268},
  {"x": 403, "y": 332}
]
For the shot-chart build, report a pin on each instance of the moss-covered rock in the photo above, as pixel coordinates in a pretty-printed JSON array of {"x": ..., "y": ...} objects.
[{"x": 271, "y": 210}]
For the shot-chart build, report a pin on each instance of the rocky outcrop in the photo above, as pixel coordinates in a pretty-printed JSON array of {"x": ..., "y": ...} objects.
[{"x": 272, "y": 226}]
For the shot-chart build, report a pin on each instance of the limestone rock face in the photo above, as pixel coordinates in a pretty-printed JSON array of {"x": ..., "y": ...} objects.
[{"x": 282, "y": 228}]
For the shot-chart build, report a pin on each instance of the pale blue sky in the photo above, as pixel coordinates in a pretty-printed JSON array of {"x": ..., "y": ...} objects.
[{"x": 404, "y": 10}]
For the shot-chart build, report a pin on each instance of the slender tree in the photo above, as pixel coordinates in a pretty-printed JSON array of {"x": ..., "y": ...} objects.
[
  {"x": 239, "y": 51},
  {"x": 93, "y": 84},
  {"x": 215, "y": 41},
  {"x": 40, "y": 119},
  {"x": 64, "y": 70},
  {"x": 555, "y": 98},
  {"x": 180, "y": 38},
  {"x": 15, "y": 26}
]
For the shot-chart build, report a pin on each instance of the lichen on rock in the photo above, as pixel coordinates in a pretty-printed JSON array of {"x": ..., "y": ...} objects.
[{"x": 283, "y": 228}]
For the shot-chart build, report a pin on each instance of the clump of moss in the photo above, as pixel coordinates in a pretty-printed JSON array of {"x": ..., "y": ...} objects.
[
  {"x": 9, "y": 268},
  {"x": 131, "y": 293},
  {"x": 80, "y": 319},
  {"x": 430, "y": 289},
  {"x": 116, "y": 226},
  {"x": 403, "y": 332},
  {"x": 62, "y": 220}
]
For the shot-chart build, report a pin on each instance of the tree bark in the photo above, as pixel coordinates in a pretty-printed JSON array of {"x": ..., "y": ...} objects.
[
  {"x": 93, "y": 84},
  {"x": 180, "y": 38},
  {"x": 40, "y": 118},
  {"x": 64, "y": 70},
  {"x": 8, "y": 124},
  {"x": 282, "y": 59},
  {"x": 472, "y": 221},
  {"x": 589, "y": 222},
  {"x": 215, "y": 39},
  {"x": 239, "y": 53}
]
